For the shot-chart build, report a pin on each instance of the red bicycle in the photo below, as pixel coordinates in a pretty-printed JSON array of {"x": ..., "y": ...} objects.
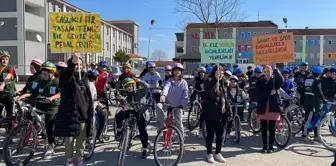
[{"x": 172, "y": 139}]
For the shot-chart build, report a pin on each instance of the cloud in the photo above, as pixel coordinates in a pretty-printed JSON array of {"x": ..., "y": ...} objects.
[
  {"x": 161, "y": 35},
  {"x": 147, "y": 3},
  {"x": 146, "y": 39}
]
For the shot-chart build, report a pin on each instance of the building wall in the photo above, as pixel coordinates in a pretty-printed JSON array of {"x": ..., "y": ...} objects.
[{"x": 178, "y": 44}]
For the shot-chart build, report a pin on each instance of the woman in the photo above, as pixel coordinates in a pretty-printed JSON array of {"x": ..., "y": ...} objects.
[
  {"x": 215, "y": 112},
  {"x": 35, "y": 66},
  {"x": 269, "y": 105},
  {"x": 74, "y": 118},
  {"x": 60, "y": 65}
]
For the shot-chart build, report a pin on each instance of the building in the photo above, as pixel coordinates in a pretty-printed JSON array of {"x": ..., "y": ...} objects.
[
  {"x": 24, "y": 33},
  {"x": 179, "y": 44},
  {"x": 319, "y": 46}
]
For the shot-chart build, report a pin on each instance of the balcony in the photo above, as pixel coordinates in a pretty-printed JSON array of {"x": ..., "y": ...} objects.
[
  {"x": 35, "y": 3},
  {"x": 34, "y": 22}
]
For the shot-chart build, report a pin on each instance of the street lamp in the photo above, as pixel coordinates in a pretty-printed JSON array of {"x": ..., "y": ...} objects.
[
  {"x": 285, "y": 21},
  {"x": 149, "y": 38}
]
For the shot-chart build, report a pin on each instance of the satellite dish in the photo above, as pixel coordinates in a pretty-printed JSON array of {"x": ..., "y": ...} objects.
[
  {"x": 39, "y": 38},
  {"x": 2, "y": 23}
]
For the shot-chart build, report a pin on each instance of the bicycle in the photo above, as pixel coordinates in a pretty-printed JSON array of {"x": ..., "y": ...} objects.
[
  {"x": 25, "y": 129},
  {"x": 254, "y": 125},
  {"x": 295, "y": 115},
  {"x": 236, "y": 119},
  {"x": 152, "y": 101},
  {"x": 195, "y": 112},
  {"x": 129, "y": 130},
  {"x": 168, "y": 140}
]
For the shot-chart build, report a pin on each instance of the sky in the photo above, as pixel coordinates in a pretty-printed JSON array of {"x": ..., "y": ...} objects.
[{"x": 300, "y": 14}]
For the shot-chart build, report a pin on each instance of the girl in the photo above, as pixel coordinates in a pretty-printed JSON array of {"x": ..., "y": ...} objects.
[
  {"x": 60, "y": 67},
  {"x": 35, "y": 66}
]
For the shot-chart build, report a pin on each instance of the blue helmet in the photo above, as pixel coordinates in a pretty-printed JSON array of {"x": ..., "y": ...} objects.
[
  {"x": 209, "y": 69},
  {"x": 258, "y": 70},
  {"x": 317, "y": 70},
  {"x": 289, "y": 69},
  {"x": 235, "y": 65},
  {"x": 285, "y": 71},
  {"x": 93, "y": 73},
  {"x": 230, "y": 69},
  {"x": 239, "y": 70},
  {"x": 295, "y": 67},
  {"x": 103, "y": 63},
  {"x": 147, "y": 63},
  {"x": 304, "y": 63}
]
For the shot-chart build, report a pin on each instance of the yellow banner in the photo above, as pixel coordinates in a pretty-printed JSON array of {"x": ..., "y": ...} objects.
[{"x": 70, "y": 32}]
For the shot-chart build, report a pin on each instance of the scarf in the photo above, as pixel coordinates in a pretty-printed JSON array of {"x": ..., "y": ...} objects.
[{"x": 128, "y": 75}]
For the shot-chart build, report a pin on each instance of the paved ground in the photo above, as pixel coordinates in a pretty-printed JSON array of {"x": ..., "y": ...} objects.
[{"x": 243, "y": 154}]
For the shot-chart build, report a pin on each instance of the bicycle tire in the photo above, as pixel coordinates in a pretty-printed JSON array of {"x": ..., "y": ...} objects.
[
  {"x": 237, "y": 129},
  {"x": 124, "y": 146},
  {"x": 5, "y": 123},
  {"x": 8, "y": 141},
  {"x": 115, "y": 122},
  {"x": 251, "y": 120},
  {"x": 93, "y": 146},
  {"x": 289, "y": 133},
  {"x": 180, "y": 139},
  {"x": 104, "y": 134},
  {"x": 320, "y": 137},
  {"x": 301, "y": 122},
  {"x": 198, "y": 114}
]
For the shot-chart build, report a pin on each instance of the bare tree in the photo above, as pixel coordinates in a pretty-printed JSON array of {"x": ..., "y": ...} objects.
[
  {"x": 219, "y": 12},
  {"x": 159, "y": 55}
]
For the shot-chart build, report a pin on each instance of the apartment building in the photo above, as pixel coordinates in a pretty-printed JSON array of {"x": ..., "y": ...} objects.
[
  {"x": 24, "y": 33},
  {"x": 179, "y": 44},
  {"x": 316, "y": 46},
  {"x": 244, "y": 32}
]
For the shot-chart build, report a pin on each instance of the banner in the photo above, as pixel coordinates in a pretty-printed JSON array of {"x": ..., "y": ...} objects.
[
  {"x": 276, "y": 48},
  {"x": 70, "y": 32},
  {"x": 218, "y": 50}
]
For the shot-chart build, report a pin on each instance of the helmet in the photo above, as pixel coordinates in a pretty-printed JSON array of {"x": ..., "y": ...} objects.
[
  {"x": 103, "y": 63},
  {"x": 230, "y": 69},
  {"x": 177, "y": 65},
  {"x": 61, "y": 64},
  {"x": 289, "y": 69},
  {"x": 115, "y": 76},
  {"x": 239, "y": 70},
  {"x": 48, "y": 66},
  {"x": 4, "y": 53},
  {"x": 126, "y": 65},
  {"x": 317, "y": 70},
  {"x": 93, "y": 73},
  {"x": 209, "y": 69},
  {"x": 37, "y": 62},
  {"x": 201, "y": 69},
  {"x": 228, "y": 72},
  {"x": 258, "y": 70},
  {"x": 127, "y": 81},
  {"x": 224, "y": 65},
  {"x": 168, "y": 67},
  {"x": 295, "y": 67},
  {"x": 233, "y": 77},
  {"x": 109, "y": 69},
  {"x": 235, "y": 65},
  {"x": 147, "y": 63},
  {"x": 304, "y": 63},
  {"x": 285, "y": 71},
  {"x": 244, "y": 77},
  {"x": 332, "y": 70},
  {"x": 151, "y": 65},
  {"x": 249, "y": 67}
]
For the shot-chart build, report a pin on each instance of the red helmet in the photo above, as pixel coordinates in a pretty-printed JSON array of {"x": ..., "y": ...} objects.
[{"x": 37, "y": 62}]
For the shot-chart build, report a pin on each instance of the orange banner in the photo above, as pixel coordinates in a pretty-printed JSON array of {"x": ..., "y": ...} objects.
[{"x": 277, "y": 48}]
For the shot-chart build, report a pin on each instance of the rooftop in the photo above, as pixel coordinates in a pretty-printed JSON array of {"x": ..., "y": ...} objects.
[
  {"x": 234, "y": 24},
  {"x": 122, "y": 22},
  {"x": 308, "y": 31}
]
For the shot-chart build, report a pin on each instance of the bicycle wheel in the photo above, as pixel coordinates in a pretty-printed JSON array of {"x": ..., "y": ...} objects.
[
  {"x": 124, "y": 146},
  {"x": 115, "y": 122},
  {"x": 168, "y": 142},
  {"x": 253, "y": 123},
  {"x": 283, "y": 132},
  {"x": 104, "y": 134},
  {"x": 326, "y": 131},
  {"x": 90, "y": 144},
  {"x": 27, "y": 138},
  {"x": 295, "y": 116},
  {"x": 237, "y": 129},
  {"x": 59, "y": 141},
  {"x": 7, "y": 124},
  {"x": 194, "y": 116}
]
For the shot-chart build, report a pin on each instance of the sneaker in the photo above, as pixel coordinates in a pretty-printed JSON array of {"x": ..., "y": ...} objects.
[
  {"x": 270, "y": 149},
  {"x": 70, "y": 164},
  {"x": 200, "y": 134},
  {"x": 210, "y": 158},
  {"x": 316, "y": 138},
  {"x": 220, "y": 158},
  {"x": 50, "y": 151},
  {"x": 81, "y": 163},
  {"x": 145, "y": 153},
  {"x": 308, "y": 139},
  {"x": 264, "y": 149}
]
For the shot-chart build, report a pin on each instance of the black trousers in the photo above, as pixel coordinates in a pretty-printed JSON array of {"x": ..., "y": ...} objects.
[
  {"x": 307, "y": 112},
  {"x": 212, "y": 128},
  {"x": 104, "y": 100},
  {"x": 49, "y": 125},
  {"x": 270, "y": 126},
  {"x": 141, "y": 125},
  {"x": 101, "y": 116},
  {"x": 8, "y": 102}
]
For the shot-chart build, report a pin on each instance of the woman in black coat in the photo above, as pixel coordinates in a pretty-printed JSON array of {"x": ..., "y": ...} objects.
[
  {"x": 215, "y": 112},
  {"x": 74, "y": 118},
  {"x": 269, "y": 105}
]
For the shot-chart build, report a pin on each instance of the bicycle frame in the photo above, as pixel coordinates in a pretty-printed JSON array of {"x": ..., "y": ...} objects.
[{"x": 167, "y": 135}]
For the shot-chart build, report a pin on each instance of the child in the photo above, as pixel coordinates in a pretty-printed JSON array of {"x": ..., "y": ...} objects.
[
  {"x": 134, "y": 95},
  {"x": 47, "y": 94}
]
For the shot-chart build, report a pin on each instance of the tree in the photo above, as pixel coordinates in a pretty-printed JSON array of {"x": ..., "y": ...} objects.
[
  {"x": 121, "y": 57},
  {"x": 210, "y": 11},
  {"x": 159, "y": 55}
]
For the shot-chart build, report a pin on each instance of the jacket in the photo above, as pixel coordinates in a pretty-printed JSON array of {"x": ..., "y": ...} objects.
[
  {"x": 76, "y": 104},
  {"x": 176, "y": 92},
  {"x": 264, "y": 89}
]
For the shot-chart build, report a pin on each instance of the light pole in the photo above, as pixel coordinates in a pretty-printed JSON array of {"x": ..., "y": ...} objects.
[
  {"x": 284, "y": 19},
  {"x": 150, "y": 34}
]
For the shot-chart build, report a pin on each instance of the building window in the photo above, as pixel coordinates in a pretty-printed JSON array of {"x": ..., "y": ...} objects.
[
  {"x": 114, "y": 48},
  {"x": 119, "y": 35},
  {"x": 197, "y": 48},
  {"x": 242, "y": 48},
  {"x": 114, "y": 33},
  {"x": 107, "y": 46},
  {"x": 329, "y": 56},
  {"x": 312, "y": 55},
  {"x": 329, "y": 41},
  {"x": 312, "y": 42},
  {"x": 230, "y": 36},
  {"x": 192, "y": 49},
  {"x": 242, "y": 34},
  {"x": 248, "y": 48},
  {"x": 179, "y": 49},
  {"x": 249, "y": 35},
  {"x": 255, "y": 33},
  {"x": 260, "y": 33},
  {"x": 307, "y": 42},
  {"x": 294, "y": 42},
  {"x": 226, "y": 35},
  {"x": 119, "y": 48},
  {"x": 107, "y": 31},
  {"x": 317, "y": 42},
  {"x": 266, "y": 33}
]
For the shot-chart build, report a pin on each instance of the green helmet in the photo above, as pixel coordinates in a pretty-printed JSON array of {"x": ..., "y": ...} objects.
[
  {"x": 4, "y": 53},
  {"x": 49, "y": 66}
]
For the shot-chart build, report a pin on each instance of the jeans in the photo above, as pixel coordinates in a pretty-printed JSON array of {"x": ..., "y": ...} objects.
[
  {"x": 8, "y": 102},
  {"x": 212, "y": 128},
  {"x": 80, "y": 143},
  {"x": 177, "y": 114},
  {"x": 141, "y": 125},
  {"x": 270, "y": 125}
]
